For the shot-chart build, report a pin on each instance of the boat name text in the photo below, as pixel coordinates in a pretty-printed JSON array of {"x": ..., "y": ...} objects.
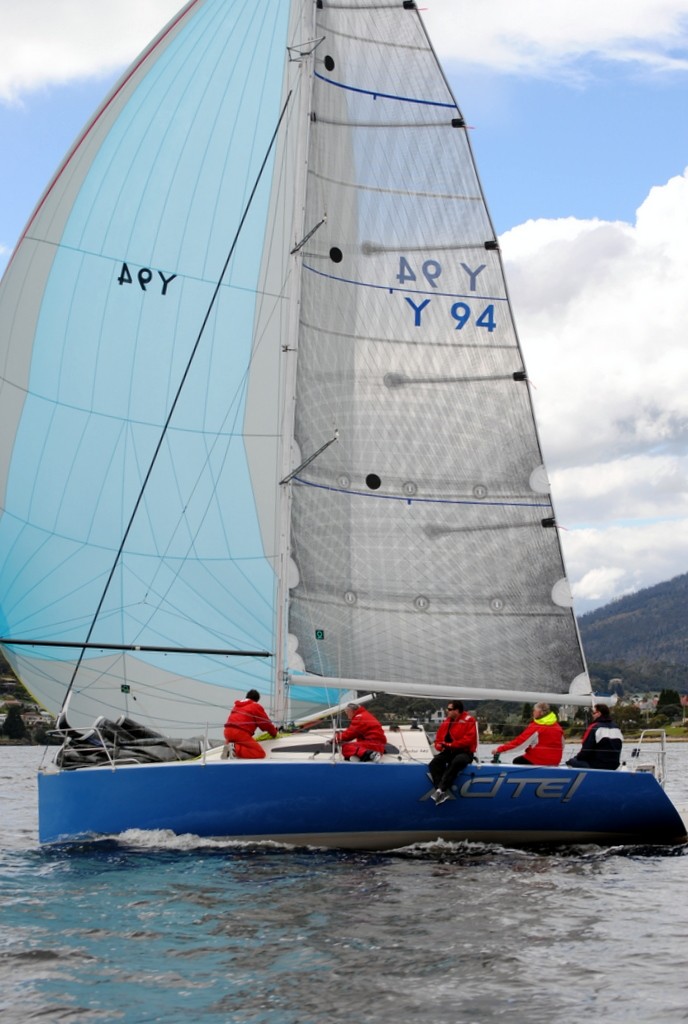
[
  {"x": 545, "y": 789},
  {"x": 486, "y": 787}
]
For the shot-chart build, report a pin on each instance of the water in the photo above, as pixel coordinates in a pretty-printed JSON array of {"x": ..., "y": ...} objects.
[{"x": 161, "y": 929}]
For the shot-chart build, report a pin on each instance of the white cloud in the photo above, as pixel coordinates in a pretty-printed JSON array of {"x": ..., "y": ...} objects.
[
  {"x": 602, "y": 310},
  {"x": 47, "y": 42},
  {"x": 605, "y": 564},
  {"x": 539, "y": 37},
  {"x": 600, "y": 584},
  {"x": 641, "y": 487}
]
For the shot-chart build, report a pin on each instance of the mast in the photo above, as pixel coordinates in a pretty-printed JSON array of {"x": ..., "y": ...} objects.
[{"x": 301, "y": 54}]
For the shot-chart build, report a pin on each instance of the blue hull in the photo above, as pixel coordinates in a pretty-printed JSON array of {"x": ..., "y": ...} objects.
[{"x": 358, "y": 806}]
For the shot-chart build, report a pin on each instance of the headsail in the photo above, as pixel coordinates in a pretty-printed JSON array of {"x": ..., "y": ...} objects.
[{"x": 425, "y": 539}]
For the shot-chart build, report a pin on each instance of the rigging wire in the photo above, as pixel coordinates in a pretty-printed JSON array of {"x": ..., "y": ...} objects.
[{"x": 173, "y": 406}]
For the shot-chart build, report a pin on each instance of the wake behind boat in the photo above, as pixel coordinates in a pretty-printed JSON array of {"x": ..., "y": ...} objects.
[{"x": 267, "y": 424}]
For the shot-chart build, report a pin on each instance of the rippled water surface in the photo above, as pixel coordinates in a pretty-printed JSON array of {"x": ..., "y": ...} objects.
[{"x": 154, "y": 928}]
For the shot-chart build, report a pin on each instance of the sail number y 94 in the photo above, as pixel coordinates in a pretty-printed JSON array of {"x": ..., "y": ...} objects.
[{"x": 461, "y": 312}]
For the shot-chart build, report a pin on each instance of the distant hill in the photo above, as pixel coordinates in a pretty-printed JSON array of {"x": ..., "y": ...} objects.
[{"x": 648, "y": 627}]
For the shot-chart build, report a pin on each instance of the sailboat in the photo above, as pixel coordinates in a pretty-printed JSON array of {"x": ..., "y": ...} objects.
[{"x": 266, "y": 425}]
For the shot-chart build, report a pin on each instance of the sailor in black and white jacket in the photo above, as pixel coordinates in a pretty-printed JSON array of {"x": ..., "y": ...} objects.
[{"x": 602, "y": 742}]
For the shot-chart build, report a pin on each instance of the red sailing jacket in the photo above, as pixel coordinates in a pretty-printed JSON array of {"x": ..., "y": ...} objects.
[
  {"x": 248, "y": 716},
  {"x": 461, "y": 733},
  {"x": 366, "y": 728},
  {"x": 550, "y": 741}
]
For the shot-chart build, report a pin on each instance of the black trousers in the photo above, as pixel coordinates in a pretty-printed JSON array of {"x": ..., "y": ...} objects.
[{"x": 446, "y": 765}]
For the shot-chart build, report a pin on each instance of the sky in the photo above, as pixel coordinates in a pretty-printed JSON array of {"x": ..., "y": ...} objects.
[{"x": 579, "y": 122}]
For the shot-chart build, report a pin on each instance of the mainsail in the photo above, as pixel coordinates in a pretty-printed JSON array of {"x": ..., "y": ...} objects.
[
  {"x": 271, "y": 242},
  {"x": 425, "y": 538}
]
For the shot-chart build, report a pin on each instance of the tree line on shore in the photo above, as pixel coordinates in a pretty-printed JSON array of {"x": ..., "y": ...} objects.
[{"x": 500, "y": 720}]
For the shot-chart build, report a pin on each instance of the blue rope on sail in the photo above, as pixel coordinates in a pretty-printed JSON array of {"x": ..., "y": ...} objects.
[
  {"x": 424, "y": 501},
  {"x": 407, "y": 291},
  {"x": 384, "y": 95}
]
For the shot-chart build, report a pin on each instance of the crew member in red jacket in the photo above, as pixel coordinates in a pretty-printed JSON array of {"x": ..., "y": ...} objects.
[
  {"x": 364, "y": 739},
  {"x": 544, "y": 736},
  {"x": 245, "y": 717},
  {"x": 457, "y": 742}
]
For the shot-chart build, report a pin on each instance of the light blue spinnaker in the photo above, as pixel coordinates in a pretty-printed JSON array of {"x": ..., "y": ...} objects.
[{"x": 102, "y": 305}]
